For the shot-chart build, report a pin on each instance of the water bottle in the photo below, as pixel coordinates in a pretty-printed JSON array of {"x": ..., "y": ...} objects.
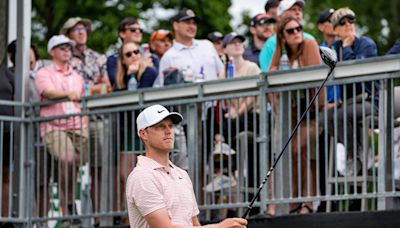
[
  {"x": 132, "y": 83},
  {"x": 88, "y": 88},
  {"x": 200, "y": 76},
  {"x": 187, "y": 74},
  {"x": 230, "y": 71},
  {"x": 284, "y": 61}
]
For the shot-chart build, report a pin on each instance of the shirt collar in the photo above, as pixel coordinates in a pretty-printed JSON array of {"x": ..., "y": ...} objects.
[
  {"x": 181, "y": 46},
  {"x": 59, "y": 69},
  {"x": 148, "y": 162}
]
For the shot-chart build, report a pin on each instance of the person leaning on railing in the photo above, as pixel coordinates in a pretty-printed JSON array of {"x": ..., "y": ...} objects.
[{"x": 301, "y": 52}]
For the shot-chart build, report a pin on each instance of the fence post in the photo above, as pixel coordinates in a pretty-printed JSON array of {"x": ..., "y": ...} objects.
[{"x": 385, "y": 173}]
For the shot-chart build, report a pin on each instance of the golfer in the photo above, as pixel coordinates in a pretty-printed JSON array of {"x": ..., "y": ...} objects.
[{"x": 159, "y": 194}]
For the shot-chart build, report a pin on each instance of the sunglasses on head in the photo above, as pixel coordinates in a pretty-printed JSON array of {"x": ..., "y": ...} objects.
[
  {"x": 130, "y": 53},
  {"x": 135, "y": 29},
  {"x": 349, "y": 19},
  {"x": 291, "y": 31}
]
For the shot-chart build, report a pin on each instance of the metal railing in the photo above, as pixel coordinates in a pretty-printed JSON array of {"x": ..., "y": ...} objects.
[{"x": 225, "y": 157}]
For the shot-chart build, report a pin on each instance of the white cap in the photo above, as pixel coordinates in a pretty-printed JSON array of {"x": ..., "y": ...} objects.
[
  {"x": 287, "y": 4},
  {"x": 155, "y": 114},
  {"x": 58, "y": 40}
]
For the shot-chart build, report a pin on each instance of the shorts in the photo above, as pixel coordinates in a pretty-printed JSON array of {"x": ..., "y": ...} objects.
[{"x": 67, "y": 145}]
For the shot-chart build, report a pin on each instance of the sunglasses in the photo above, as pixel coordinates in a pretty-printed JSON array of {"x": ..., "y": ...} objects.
[
  {"x": 350, "y": 20},
  {"x": 77, "y": 30},
  {"x": 130, "y": 53},
  {"x": 135, "y": 29},
  {"x": 291, "y": 31},
  {"x": 65, "y": 47}
]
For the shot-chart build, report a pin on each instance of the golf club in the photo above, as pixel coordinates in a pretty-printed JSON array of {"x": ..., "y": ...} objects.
[{"x": 330, "y": 59}]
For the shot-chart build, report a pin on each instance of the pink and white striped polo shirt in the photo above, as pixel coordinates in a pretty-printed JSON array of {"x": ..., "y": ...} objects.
[{"x": 151, "y": 186}]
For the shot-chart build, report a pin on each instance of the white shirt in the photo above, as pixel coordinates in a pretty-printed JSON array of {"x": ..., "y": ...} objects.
[{"x": 200, "y": 54}]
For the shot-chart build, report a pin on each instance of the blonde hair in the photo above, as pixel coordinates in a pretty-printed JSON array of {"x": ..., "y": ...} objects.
[
  {"x": 122, "y": 68},
  {"x": 339, "y": 14}
]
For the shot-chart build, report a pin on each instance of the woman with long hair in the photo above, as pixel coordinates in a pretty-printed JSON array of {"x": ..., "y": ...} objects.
[
  {"x": 300, "y": 53},
  {"x": 130, "y": 62}
]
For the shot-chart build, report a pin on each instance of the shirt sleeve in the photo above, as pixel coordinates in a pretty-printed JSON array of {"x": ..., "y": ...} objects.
[
  {"x": 145, "y": 192},
  {"x": 42, "y": 81}
]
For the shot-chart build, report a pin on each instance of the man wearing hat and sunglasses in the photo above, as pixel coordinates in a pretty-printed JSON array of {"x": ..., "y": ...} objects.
[
  {"x": 158, "y": 193},
  {"x": 262, "y": 26},
  {"x": 349, "y": 46}
]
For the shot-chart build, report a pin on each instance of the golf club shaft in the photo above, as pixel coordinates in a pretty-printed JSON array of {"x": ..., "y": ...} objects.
[{"x": 246, "y": 213}]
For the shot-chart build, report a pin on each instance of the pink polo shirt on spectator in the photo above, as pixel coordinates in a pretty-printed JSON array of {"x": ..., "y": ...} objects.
[
  {"x": 54, "y": 77},
  {"x": 151, "y": 186}
]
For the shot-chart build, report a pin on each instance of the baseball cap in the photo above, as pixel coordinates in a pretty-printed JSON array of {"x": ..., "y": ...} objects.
[
  {"x": 271, "y": 3},
  {"x": 287, "y": 4},
  {"x": 215, "y": 36},
  {"x": 325, "y": 16},
  {"x": 183, "y": 15},
  {"x": 261, "y": 18},
  {"x": 341, "y": 13},
  {"x": 71, "y": 22},
  {"x": 230, "y": 37},
  {"x": 57, "y": 40},
  {"x": 155, "y": 114},
  {"x": 161, "y": 34}
]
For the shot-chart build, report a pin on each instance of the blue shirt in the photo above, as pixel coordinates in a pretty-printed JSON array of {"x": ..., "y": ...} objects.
[
  {"x": 267, "y": 51},
  {"x": 112, "y": 66}
]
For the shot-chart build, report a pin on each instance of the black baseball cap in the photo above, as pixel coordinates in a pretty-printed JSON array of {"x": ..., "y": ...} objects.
[
  {"x": 215, "y": 36},
  {"x": 230, "y": 37},
  {"x": 261, "y": 18},
  {"x": 183, "y": 15},
  {"x": 270, "y": 4},
  {"x": 325, "y": 16}
]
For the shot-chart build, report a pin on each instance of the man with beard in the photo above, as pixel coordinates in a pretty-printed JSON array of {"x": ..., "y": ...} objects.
[{"x": 262, "y": 26}]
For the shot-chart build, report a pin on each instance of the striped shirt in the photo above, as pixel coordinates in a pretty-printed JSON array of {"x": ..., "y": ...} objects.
[{"x": 151, "y": 186}]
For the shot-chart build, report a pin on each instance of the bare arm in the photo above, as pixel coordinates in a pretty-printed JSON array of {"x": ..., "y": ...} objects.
[{"x": 53, "y": 94}]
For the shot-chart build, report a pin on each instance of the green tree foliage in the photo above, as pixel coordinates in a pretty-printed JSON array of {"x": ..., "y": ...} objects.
[
  {"x": 50, "y": 15},
  {"x": 379, "y": 20}
]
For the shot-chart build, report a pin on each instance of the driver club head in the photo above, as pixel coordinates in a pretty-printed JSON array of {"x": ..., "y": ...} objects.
[{"x": 328, "y": 56}]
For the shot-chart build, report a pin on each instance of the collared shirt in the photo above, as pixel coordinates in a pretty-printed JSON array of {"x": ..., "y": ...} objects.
[
  {"x": 252, "y": 54},
  {"x": 151, "y": 186},
  {"x": 90, "y": 65},
  {"x": 267, "y": 51},
  {"x": 200, "y": 54},
  {"x": 55, "y": 78}
]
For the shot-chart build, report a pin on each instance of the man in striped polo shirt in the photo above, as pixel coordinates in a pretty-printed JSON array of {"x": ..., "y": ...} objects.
[{"x": 160, "y": 194}]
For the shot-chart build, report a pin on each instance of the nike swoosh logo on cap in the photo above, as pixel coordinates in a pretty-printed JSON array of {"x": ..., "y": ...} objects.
[{"x": 160, "y": 111}]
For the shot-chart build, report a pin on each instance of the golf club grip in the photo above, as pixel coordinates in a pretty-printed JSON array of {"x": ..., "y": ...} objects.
[{"x": 246, "y": 213}]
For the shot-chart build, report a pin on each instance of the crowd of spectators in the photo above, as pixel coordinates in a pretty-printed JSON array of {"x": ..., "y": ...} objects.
[{"x": 178, "y": 56}]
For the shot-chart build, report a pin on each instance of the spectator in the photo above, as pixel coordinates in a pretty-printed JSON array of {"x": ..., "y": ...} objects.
[
  {"x": 349, "y": 46},
  {"x": 7, "y": 92},
  {"x": 325, "y": 26},
  {"x": 160, "y": 42},
  {"x": 35, "y": 64},
  {"x": 395, "y": 49},
  {"x": 88, "y": 63},
  {"x": 262, "y": 26},
  {"x": 301, "y": 53},
  {"x": 216, "y": 38},
  {"x": 287, "y": 8},
  {"x": 91, "y": 66},
  {"x": 187, "y": 52},
  {"x": 156, "y": 183},
  {"x": 234, "y": 49},
  {"x": 271, "y": 8},
  {"x": 130, "y": 62},
  {"x": 129, "y": 30},
  {"x": 65, "y": 138}
]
